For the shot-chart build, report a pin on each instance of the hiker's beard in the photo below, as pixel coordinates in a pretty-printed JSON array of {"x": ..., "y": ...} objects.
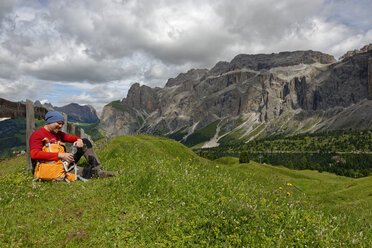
[{"x": 53, "y": 128}]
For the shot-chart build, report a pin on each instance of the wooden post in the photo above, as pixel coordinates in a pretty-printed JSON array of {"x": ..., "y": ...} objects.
[
  {"x": 370, "y": 78},
  {"x": 64, "y": 128},
  {"x": 78, "y": 131},
  {"x": 73, "y": 129},
  {"x": 82, "y": 133},
  {"x": 30, "y": 128}
]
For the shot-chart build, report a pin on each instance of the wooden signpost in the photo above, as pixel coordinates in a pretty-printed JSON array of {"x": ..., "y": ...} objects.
[{"x": 30, "y": 128}]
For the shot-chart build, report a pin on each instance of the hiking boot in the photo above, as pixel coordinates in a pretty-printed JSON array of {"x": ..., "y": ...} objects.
[{"x": 103, "y": 173}]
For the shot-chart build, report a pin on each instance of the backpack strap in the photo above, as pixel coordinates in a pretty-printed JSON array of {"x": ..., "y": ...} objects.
[{"x": 82, "y": 179}]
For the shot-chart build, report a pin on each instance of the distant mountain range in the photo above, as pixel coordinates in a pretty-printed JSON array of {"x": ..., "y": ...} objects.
[
  {"x": 74, "y": 111},
  {"x": 252, "y": 96}
]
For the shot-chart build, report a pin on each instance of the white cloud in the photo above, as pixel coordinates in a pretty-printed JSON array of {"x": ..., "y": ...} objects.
[
  {"x": 351, "y": 43},
  {"x": 316, "y": 34},
  {"x": 95, "y": 95},
  {"x": 5, "y": 7},
  {"x": 43, "y": 101},
  {"x": 81, "y": 68},
  {"x": 23, "y": 88},
  {"x": 97, "y": 48}
]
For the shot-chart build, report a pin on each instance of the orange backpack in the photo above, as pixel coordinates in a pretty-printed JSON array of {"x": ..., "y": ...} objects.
[{"x": 57, "y": 170}]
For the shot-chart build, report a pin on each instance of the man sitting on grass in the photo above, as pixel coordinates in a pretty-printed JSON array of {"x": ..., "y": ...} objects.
[{"x": 52, "y": 134}]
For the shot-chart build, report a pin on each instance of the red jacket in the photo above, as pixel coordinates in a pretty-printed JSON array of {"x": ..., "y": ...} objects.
[{"x": 36, "y": 143}]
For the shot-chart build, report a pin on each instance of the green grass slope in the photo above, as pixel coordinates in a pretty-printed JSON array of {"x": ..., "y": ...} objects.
[
  {"x": 227, "y": 160},
  {"x": 168, "y": 196}
]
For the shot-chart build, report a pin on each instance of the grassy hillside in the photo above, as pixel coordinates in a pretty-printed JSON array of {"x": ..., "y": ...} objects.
[{"x": 168, "y": 196}]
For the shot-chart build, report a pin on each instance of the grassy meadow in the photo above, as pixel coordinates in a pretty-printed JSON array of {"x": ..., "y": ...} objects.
[{"x": 167, "y": 196}]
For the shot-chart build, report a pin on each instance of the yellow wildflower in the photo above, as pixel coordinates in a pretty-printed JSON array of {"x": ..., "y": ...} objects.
[
  {"x": 288, "y": 193},
  {"x": 217, "y": 166},
  {"x": 306, "y": 219},
  {"x": 280, "y": 188},
  {"x": 289, "y": 184}
]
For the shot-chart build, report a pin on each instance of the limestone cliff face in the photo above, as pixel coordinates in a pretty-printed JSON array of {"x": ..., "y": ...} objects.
[
  {"x": 142, "y": 97},
  {"x": 256, "y": 88},
  {"x": 117, "y": 119},
  {"x": 342, "y": 84}
]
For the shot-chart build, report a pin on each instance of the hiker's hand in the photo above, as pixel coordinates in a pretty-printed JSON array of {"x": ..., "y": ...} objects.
[
  {"x": 69, "y": 157},
  {"x": 79, "y": 143}
]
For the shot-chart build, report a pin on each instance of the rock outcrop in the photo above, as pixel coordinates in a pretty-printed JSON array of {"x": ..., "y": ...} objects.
[
  {"x": 364, "y": 49},
  {"x": 142, "y": 97},
  {"x": 244, "y": 93},
  {"x": 46, "y": 105},
  {"x": 118, "y": 119},
  {"x": 191, "y": 75}
]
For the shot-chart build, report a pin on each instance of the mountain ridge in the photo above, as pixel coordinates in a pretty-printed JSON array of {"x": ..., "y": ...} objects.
[
  {"x": 260, "y": 88},
  {"x": 74, "y": 111},
  {"x": 79, "y": 113}
]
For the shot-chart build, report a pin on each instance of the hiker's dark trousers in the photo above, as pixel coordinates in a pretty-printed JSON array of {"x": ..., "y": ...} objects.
[{"x": 91, "y": 157}]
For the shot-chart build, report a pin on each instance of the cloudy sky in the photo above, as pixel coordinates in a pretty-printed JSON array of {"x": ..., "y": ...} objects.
[{"x": 91, "y": 51}]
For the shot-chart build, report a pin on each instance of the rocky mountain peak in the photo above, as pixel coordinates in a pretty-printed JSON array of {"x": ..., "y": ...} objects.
[
  {"x": 267, "y": 61},
  {"x": 191, "y": 75},
  {"x": 364, "y": 49},
  {"x": 219, "y": 68},
  {"x": 38, "y": 103},
  {"x": 46, "y": 105},
  {"x": 141, "y": 98}
]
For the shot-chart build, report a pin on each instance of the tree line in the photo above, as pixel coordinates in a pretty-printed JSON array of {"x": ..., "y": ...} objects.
[{"x": 345, "y": 153}]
